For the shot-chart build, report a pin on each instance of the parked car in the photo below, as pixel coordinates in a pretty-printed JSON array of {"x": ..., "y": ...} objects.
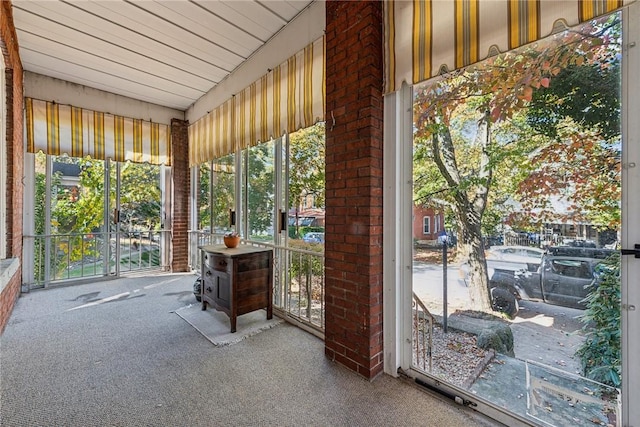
[
  {"x": 563, "y": 278},
  {"x": 580, "y": 243},
  {"x": 529, "y": 255},
  {"x": 505, "y": 263},
  {"x": 314, "y": 237}
]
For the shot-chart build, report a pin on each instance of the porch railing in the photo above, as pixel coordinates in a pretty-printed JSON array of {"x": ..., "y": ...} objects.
[
  {"x": 74, "y": 256},
  {"x": 422, "y": 335},
  {"x": 299, "y": 281}
]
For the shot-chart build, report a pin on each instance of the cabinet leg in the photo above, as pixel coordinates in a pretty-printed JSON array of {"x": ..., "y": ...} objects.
[
  {"x": 233, "y": 324},
  {"x": 204, "y": 305},
  {"x": 269, "y": 312}
]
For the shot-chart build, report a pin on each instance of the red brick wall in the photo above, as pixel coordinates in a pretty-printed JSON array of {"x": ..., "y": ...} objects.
[
  {"x": 418, "y": 223},
  {"x": 15, "y": 154},
  {"x": 181, "y": 183},
  {"x": 353, "y": 247}
]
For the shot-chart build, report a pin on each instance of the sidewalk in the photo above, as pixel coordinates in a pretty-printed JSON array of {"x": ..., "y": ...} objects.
[{"x": 546, "y": 394}]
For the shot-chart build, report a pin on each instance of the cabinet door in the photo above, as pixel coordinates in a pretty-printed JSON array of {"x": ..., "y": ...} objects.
[
  {"x": 208, "y": 286},
  {"x": 222, "y": 291}
]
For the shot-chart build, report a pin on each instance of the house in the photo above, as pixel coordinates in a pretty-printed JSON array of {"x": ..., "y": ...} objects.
[{"x": 428, "y": 223}]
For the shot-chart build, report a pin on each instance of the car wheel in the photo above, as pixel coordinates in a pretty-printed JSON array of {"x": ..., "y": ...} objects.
[{"x": 504, "y": 301}]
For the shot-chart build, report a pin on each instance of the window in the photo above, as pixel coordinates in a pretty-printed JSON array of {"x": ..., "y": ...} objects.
[
  {"x": 204, "y": 190},
  {"x": 280, "y": 178},
  {"x": 260, "y": 192},
  {"x": 94, "y": 218},
  {"x": 436, "y": 223},
  {"x": 426, "y": 225},
  {"x": 572, "y": 268}
]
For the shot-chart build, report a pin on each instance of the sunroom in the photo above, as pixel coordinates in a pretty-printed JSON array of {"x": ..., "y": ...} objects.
[{"x": 188, "y": 120}]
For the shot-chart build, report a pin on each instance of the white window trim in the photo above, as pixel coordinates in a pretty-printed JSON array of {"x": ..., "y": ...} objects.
[
  {"x": 398, "y": 224},
  {"x": 630, "y": 231}
]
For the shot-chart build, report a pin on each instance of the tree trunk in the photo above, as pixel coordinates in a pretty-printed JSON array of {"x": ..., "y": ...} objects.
[
  {"x": 468, "y": 207},
  {"x": 471, "y": 242}
]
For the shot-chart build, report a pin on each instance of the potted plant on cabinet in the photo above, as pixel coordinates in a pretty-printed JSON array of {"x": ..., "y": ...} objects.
[{"x": 231, "y": 239}]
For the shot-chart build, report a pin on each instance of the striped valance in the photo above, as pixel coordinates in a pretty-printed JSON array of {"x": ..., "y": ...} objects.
[
  {"x": 63, "y": 129},
  {"x": 288, "y": 98},
  {"x": 424, "y": 38}
]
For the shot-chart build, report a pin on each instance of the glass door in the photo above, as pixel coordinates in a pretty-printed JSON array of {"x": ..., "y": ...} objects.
[
  {"x": 137, "y": 197},
  {"x": 133, "y": 212},
  {"x": 516, "y": 230},
  {"x": 259, "y": 199},
  {"x": 223, "y": 195}
]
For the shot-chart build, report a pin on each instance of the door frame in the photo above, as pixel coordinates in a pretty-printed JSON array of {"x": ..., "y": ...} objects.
[
  {"x": 397, "y": 279},
  {"x": 630, "y": 312}
]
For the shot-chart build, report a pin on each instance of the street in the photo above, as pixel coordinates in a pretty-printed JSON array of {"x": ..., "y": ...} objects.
[{"x": 542, "y": 332}]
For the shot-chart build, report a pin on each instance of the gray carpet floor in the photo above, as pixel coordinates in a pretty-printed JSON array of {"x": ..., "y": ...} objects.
[{"x": 115, "y": 354}]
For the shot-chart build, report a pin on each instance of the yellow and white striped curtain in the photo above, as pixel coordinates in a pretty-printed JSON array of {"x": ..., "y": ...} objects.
[
  {"x": 424, "y": 38},
  {"x": 288, "y": 98},
  {"x": 63, "y": 129}
]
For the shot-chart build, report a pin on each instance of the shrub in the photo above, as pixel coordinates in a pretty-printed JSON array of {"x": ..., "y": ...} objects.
[
  {"x": 300, "y": 231},
  {"x": 600, "y": 353}
]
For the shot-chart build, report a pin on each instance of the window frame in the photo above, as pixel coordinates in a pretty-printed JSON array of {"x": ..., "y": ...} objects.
[{"x": 426, "y": 225}]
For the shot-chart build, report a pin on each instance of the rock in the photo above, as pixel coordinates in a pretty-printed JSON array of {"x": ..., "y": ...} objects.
[
  {"x": 491, "y": 332},
  {"x": 497, "y": 337}
]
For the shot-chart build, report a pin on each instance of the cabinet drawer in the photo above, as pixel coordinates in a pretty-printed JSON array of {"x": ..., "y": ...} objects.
[
  {"x": 252, "y": 263},
  {"x": 217, "y": 262}
]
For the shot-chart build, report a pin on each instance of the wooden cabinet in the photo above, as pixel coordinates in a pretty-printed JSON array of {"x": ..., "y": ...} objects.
[{"x": 237, "y": 280}]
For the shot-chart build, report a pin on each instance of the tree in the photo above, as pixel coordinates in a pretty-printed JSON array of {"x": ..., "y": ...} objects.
[
  {"x": 140, "y": 195},
  {"x": 580, "y": 165},
  {"x": 79, "y": 210},
  {"x": 223, "y": 190},
  {"x": 39, "y": 221},
  {"x": 204, "y": 204},
  {"x": 307, "y": 166},
  {"x": 589, "y": 94},
  {"x": 497, "y": 90},
  {"x": 260, "y": 188},
  {"x": 581, "y": 170}
]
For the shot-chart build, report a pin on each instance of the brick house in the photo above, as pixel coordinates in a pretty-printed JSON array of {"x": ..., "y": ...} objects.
[{"x": 427, "y": 225}]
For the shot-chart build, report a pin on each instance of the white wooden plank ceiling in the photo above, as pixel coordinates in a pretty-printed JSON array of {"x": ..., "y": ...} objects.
[{"x": 167, "y": 52}]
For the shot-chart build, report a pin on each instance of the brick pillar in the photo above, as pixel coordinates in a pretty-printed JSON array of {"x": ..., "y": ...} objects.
[
  {"x": 180, "y": 199},
  {"x": 14, "y": 129},
  {"x": 14, "y": 155},
  {"x": 353, "y": 247}
]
